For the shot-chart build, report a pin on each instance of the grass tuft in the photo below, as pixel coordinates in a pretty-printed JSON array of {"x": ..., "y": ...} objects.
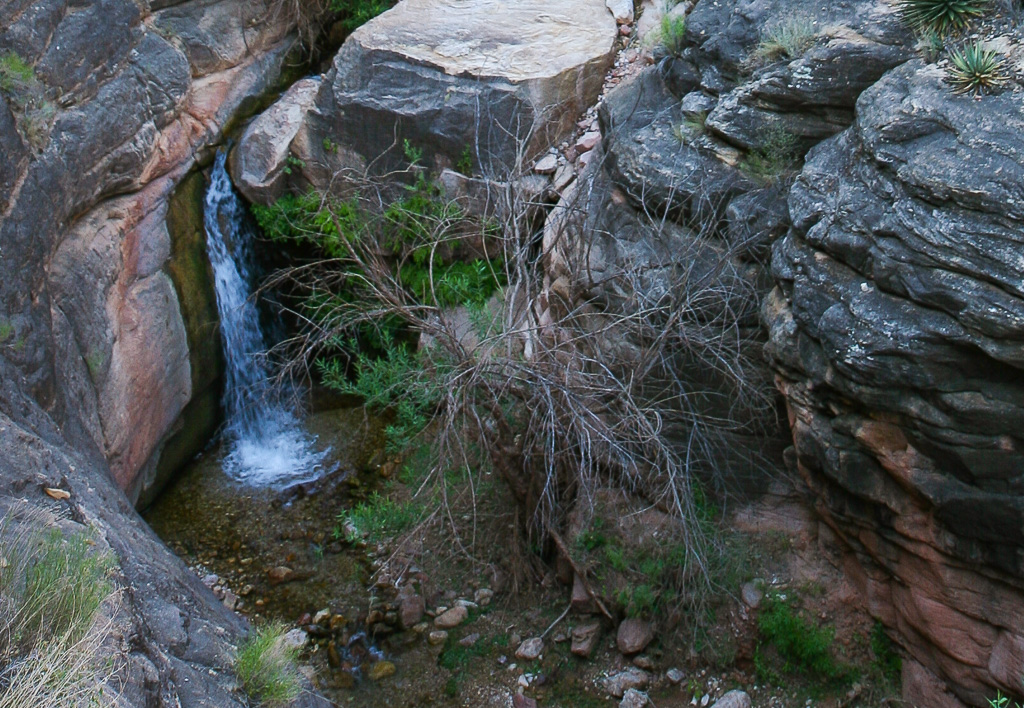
[
  {"x": 51, "y": 589},
  {"x": 672, "y": 34},
  {"x": 266, "y": 667},
  {"x": 787, "y": 39}
]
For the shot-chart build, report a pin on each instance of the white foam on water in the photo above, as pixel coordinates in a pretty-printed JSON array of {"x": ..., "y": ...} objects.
[{"x": 265, "y": 442}]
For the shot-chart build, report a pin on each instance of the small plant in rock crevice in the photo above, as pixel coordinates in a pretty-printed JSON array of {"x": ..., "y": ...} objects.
[
  {"x": 941, "y": 16},
  {"x": 776, "y": 154},
  {"x": 32, "y": 110},
  {"x": 975, "y": 69},
  {"x": 266, "y": 667},
  {"x": 786, "y": 39},
  {"x": 672, "y": 34},
  {"x": 930, "y": 43}
]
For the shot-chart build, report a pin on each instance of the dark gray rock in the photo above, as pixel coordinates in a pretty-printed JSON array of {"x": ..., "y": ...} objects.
[
  {"x": 645, "y": 157},
  {"x": 811, "y": 97},
  {"x": 896, "y": 333}
]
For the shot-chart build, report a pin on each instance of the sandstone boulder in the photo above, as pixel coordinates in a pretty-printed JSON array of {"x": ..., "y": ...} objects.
[{"x": 453, "y": 76}]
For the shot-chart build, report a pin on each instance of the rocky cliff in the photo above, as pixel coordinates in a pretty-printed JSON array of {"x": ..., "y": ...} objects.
[
  {"x": 105, "y": 310},
  {"x": 108, "y": 348},
  {"x": 896, "y": 331}
]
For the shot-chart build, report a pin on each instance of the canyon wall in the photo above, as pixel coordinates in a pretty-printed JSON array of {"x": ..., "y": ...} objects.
[{"x": 106, "y": 303}]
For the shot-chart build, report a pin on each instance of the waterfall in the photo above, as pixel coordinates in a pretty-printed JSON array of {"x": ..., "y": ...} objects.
[{"x": 266, "y": 444}]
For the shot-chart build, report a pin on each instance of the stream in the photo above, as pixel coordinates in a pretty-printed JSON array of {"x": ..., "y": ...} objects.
[{"x": 256, "y": 514}]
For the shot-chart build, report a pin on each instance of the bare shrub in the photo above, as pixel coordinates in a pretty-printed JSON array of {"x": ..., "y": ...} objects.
[{"x": 568, "y": 380}]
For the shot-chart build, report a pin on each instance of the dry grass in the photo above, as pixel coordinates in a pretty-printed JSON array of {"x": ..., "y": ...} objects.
[{"x": 52, "y": 587}]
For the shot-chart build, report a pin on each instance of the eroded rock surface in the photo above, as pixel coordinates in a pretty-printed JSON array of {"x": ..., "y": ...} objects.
[
  {"x": 99, "y": 303},
  {"x": 896, "y": 334}
]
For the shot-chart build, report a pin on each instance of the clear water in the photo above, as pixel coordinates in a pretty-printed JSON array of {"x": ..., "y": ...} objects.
[{"x": 265, "y": 442}]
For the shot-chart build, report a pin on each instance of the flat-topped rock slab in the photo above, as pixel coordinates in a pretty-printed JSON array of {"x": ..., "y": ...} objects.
[{"x": 484, "y": 80}]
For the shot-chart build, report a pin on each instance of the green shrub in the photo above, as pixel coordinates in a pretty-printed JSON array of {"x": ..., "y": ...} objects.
[
  {"x": 886, "y": 659},
  {"x": 692, "y": 126},
  {"x": 930, "y": 43},
  {"x": 266, "y": 667},
  {"x": 56, "y": 585},
  {"x": 15, "y": 74},
  {"x": 775, "y": 155},
  {"x": 354, "y": 13},
  {"x": 32, "y": 110},
  {"x": 941, "y": 16},
  {"x": 786, "y": 39},
  {"x": 975, "y": 69},
  {"x": 672, "y": 34},
  {"x": 802, "y": 646},
  {"x": 380, "y": 518}
]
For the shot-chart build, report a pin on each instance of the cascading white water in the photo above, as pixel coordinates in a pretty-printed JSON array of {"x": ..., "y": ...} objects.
[{"x": 266, "y": 442}]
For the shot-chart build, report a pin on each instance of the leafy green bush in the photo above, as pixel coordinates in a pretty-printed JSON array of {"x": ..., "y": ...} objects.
[
  {"x": 380, "y": 518},
  {"x": 941, "y": 16},
  {"x": 975, "y": 69},
  {"x": 266, "y": 667}
]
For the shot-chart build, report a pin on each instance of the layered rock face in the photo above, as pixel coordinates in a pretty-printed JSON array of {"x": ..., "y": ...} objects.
[
  {"x": 485, "y": 79},
  {"x": 104, "y": 310},
  {"x": 896, "y": 332}
]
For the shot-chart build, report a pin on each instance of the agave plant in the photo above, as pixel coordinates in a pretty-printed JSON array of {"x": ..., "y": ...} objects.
[
  {"x": 941, "y": 16},
  {"x": 975, "y": 68}
]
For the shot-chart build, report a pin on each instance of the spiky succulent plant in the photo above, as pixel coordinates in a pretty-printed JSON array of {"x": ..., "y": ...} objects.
[
  {"x": 975, "y": 69},
  {"x": 941, "y": 16}
]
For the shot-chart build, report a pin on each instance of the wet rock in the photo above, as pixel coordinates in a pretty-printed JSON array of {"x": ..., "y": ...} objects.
[
  {"x": 634, "y": 635},
  {"x": 280, "y": 574},
  {"x": 381, "y": 670},
  {"x": 333, "y": 657},
  {"x": 531, "y": 649},
  {"x": 584, "y": 639},
  {"x": 633, "y": 698},
  {"x": 617, "y": 684},
  {"x": 733, "y": 699},
  {"x": 451, "y": 618},
  {"x": 438, "y": 636}
]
